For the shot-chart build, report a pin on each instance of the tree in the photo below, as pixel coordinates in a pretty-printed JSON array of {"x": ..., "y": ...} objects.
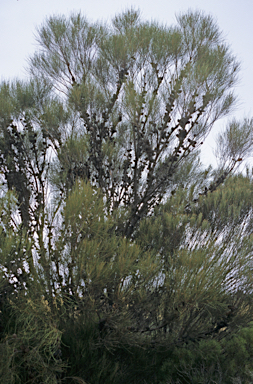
[
  {"x": 146, "y": 96},
  {"x": 110, "y": 225}
]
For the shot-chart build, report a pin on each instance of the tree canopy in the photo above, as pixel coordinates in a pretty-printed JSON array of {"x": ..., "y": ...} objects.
[{"x": 122, "y": 259}]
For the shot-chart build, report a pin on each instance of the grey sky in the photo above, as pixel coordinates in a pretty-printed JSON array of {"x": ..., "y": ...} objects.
[{"x": 19, "y": 18}]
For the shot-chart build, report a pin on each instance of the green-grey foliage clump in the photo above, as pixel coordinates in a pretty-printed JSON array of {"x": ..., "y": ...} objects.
[
  {"x": 123, "y": 260},
  {"x": 145, "y": 95}
]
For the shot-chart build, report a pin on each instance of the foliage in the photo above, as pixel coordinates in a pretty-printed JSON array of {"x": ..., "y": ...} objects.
[
  {"x": 146, "y": 96},
  {"x": 123, "y": 260},
  {"x": 30, "y": 352}
]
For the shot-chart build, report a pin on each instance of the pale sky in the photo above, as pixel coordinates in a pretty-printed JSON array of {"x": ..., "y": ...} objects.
[{"x": 19, "y": 18}]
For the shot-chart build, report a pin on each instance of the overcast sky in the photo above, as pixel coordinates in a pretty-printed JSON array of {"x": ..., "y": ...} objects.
[{"x": 19, "y": 19}]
